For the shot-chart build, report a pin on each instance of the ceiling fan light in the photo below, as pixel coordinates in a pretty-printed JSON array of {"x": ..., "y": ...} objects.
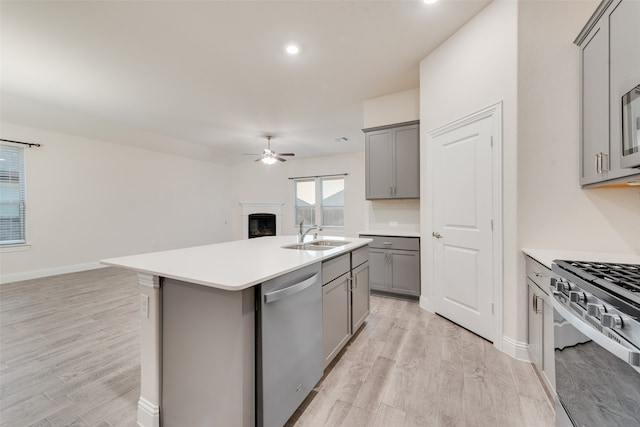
[{"x": 268, "y": 160}]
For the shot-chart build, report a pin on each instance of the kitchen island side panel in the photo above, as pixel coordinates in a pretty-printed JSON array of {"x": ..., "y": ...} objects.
[{"x": 208, "y": 347}]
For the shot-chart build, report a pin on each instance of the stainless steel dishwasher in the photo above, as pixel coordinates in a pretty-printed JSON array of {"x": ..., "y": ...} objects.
[{"x": 288, "y": 343}]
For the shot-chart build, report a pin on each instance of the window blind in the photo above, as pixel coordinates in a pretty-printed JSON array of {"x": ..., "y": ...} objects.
[{"x": 12, "y": 195}]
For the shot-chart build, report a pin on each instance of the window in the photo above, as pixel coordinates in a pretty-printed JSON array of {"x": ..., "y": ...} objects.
[
  {"x": 329, "y": 192},
  {"x": 12, "y": 200}
]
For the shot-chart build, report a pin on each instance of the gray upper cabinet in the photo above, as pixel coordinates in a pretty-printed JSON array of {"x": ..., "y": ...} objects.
[
  {"x": 595, "y": 107},
  {"x": 392, "y": 161},
  {"x": 624, "y": 56},
  {"x": 608, "y": 43}
]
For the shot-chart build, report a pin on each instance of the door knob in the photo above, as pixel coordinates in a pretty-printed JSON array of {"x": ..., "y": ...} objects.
[{"x": 437, "y": 235}]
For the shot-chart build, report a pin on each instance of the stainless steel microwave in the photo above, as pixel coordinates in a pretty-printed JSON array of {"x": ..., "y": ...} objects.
[{"x": 631, "y": 129}]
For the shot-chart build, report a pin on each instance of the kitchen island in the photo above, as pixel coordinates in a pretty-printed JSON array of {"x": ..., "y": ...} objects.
[{"x": 208, "y": 291}]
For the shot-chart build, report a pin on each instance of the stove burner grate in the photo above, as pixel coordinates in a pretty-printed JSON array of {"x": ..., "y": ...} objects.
[{"x": 626, "y": 276}]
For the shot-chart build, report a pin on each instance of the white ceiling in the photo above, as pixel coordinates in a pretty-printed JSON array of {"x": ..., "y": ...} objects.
[{"x": 210, "y": 78}]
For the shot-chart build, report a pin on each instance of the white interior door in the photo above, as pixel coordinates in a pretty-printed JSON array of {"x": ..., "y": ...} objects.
[{"x": 462, "y": 232}]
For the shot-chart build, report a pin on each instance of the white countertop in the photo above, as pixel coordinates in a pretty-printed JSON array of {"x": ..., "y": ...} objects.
[
  {"x": 391, "y": 233},
  {"x": 235, "y": 265},
  {"x": 547, "y": 256}
]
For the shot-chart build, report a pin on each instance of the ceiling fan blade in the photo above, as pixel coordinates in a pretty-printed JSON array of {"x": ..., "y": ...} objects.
[
  {"x": 268, "y": 154},
  {"x": 251, "y": 154}
]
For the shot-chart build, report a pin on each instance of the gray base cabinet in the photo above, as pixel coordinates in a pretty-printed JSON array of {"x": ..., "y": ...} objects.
[
  {"x": 360, "y": 285},
  {"x": 392, "y": 161},
  {"x": 345, "y": 299},
  {"x": 540, "y": 322},
  {"x": 336, "y": 306},
  {"x": 395, "y": 265},
  {"x": 195, "y": 321}
]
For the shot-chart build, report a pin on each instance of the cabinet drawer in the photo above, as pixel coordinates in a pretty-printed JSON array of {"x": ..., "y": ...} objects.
[
  {"x": 335, "y": 267},
  {"x": 539, "y": 274},
  {"x": 388, "y": 242},
  {"x": 359, "y": 256}
]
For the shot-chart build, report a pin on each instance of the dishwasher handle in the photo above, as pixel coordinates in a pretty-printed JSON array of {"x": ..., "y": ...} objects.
[{"x": 290, "y": 290}]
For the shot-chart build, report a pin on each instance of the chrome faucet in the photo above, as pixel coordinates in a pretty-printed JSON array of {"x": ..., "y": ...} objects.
[{"x": 302, "y": 232}]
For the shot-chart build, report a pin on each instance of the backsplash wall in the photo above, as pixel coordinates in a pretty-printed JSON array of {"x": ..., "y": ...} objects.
[{"x": 382, "y": 213}]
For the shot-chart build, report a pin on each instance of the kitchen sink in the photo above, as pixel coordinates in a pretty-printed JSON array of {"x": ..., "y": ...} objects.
[
  {"x": 317, "y": 245},
  {"x": 308, "y": 247},
  {"x": 333, "y": 243}
]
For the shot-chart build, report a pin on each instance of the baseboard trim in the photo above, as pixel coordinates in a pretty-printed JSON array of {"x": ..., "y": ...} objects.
[
  {"x": 36, "y": 274},
  {"x": 516, "y": 349},
  {"x": 424, "y": 304},
  {"x": 148, "y": 413}
]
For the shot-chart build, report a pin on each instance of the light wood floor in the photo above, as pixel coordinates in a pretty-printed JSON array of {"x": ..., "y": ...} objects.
[{"x": 69, "y": 356}]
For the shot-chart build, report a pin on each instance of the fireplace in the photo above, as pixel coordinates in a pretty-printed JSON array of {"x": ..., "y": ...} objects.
[
  {"x": 254, "y": 217},
  {"x": 262, "y": 224}
]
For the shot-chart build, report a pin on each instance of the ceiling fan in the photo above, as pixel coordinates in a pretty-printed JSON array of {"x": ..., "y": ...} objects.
[{"x": 269, "y": 156}]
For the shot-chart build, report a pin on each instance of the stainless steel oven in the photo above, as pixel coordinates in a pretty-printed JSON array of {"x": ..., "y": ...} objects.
[
  {"x": 631, "y": 128},
  {"x": 597, "y": 344}
]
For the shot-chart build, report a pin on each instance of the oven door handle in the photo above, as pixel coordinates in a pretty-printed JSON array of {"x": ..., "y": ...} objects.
[{"x": 630, "y": 356}]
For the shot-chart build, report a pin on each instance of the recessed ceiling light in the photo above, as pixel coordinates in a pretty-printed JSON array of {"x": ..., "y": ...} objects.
[
  {"x": 430, "y": 1},
  {"x": 292, "y": 49}
]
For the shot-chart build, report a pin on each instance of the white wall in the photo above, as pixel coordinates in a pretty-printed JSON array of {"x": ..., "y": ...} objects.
[
  {"x": 392, "y": 108},
  {"x": 404, "y": 212},
  {"x": 473, "y": 69},
  {"x": 255, "y": 182},
  {"x": 554, "y": 211},
  {"x": 88, "y": 200},
  {"x": 522, "y": 53}
]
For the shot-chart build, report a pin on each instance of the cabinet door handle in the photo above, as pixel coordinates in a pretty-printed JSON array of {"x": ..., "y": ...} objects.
[
  {"x": 436, "y": 235},
  {"x": 603, "y": 162},
  {"x": 534, "y": 304},
  {"x": 597, "y": 165},
  {"x": 387, "y": 243},
  {"x": 535, "y": 273},
  {"x": 391, "y": 191}
]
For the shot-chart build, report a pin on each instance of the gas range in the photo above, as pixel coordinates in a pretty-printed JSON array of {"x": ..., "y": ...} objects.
[
  {"x": 596, "y": 310},
  {"x": 606, "y": 295},
  {"x": 622, "y": 279}
]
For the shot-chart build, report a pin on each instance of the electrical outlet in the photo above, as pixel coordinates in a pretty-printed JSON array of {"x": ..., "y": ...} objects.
[
  {"x": 144, "y": 306},
  {"x": 393, "y": 223}
]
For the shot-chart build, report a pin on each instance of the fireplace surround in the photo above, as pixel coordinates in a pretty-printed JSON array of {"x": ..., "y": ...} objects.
[{"x": 259, "y": 211}]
